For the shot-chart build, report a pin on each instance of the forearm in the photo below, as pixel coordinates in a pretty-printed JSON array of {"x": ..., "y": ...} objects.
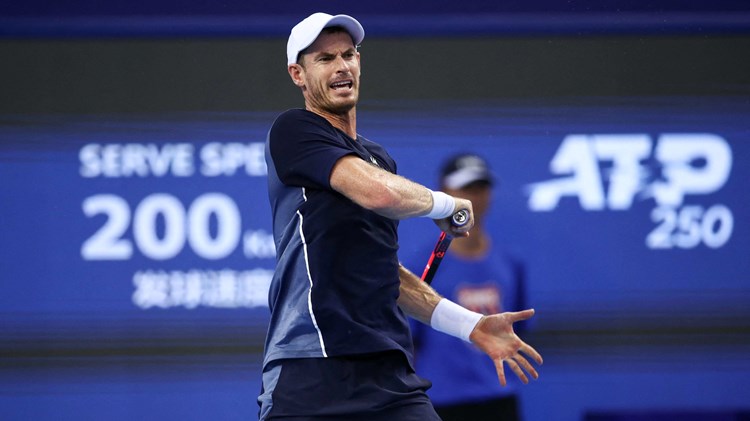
[
  {"x": 378, "y": 190},
  {"x": 416, "y": 298},
  {"x": 492, "y": 334},
  {"x": 400, "y": 198}
]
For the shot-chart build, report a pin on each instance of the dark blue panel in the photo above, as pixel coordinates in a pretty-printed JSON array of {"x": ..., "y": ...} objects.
[{"x": 384, "y": 18}]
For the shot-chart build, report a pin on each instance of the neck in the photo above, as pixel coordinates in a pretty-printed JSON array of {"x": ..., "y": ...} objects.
[{"x": 346, "y": 121}]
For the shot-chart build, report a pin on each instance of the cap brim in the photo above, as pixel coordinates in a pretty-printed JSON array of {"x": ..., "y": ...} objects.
[{"x": 465, "y": 176}]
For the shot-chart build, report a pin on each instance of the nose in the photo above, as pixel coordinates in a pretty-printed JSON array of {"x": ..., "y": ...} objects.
[{"x": 341, "y": 64}]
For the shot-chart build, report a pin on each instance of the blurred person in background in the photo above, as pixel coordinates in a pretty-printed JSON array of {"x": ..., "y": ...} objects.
[{"x": 479, "y": 275}]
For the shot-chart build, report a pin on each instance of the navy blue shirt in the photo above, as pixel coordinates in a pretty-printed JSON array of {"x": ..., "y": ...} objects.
[{"x": 336, "y": 283}]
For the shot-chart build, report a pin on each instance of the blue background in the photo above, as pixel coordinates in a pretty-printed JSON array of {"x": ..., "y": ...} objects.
[
  {"x": 620, "y": 325},
  {"x": 44, "y": 18},
  {"x": 624, "y": 329}
]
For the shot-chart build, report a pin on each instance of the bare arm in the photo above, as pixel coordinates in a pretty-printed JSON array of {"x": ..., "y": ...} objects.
[
  {"x": 493, "y": 334},
  {"x": 416, "y": 298},
  {"x": 378, "y": 190},
  {"x": 388, "y": 194}
]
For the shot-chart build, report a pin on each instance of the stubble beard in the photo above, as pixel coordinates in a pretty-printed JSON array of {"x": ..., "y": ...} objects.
[
  {"x": 340, "y": 106},
  {"x": 326, "y": 100}
]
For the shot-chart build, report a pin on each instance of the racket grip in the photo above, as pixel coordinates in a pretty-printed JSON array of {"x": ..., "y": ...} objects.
[{"x": 460, "y": 218}]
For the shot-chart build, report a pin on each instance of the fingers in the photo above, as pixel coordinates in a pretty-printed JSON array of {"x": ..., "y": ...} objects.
[
  {"x": 445, "y": 225},
  {"x": 519, "y": 365},
  {"x": 458, "y": 232},
  {"x": 517, "y": 316},
  {"x": 531, "y": 352},
  {"x": 514, "y": 356},
  {"x": 518, "y": 359},
  {"x": 516, "y": 369},
  {"x": 500, "y": 371},
  {"x": 467, "y": 222}
]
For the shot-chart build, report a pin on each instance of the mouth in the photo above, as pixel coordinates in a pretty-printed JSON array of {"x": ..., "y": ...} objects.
[{"x": 341, "y": 84}]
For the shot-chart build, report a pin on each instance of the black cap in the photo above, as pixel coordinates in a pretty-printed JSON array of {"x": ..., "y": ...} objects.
[{"x": 462, "y": 170}]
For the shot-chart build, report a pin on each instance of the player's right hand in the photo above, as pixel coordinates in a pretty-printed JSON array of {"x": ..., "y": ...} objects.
[{"x": 449, "y": 227}]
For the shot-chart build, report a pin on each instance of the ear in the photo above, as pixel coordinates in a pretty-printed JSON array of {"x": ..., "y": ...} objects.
[{"x": 295, "y": 72}]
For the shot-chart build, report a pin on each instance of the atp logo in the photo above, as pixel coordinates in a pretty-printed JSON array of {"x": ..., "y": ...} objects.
[{"x": 611, "y": 171}]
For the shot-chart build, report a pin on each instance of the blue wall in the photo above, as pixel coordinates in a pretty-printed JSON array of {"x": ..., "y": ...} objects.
[
  {"x": 84, "y": 18},
  {"x": 127, "y": 292},
  {"x": 136, "y": 246}
]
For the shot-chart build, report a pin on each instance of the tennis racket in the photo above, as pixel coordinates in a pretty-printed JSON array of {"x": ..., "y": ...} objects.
[{"x": 458, "y": 219}]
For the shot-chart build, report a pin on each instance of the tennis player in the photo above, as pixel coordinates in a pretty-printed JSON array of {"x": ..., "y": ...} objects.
[{"x": 338, "y": 344}]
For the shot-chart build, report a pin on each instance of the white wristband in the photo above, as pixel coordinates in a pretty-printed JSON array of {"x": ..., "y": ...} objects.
[
  {"x": 442, "y": 205},
  {"x": 454, "y": 320}
]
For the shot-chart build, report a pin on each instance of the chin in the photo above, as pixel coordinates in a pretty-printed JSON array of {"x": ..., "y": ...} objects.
[{"x": 342, "y": 107}]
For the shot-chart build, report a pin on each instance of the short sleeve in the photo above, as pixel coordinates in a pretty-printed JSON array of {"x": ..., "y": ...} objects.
[{"x": 304, "y": 148}]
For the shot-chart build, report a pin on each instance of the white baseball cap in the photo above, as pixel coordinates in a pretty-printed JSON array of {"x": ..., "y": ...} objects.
[
  {"x": 464, "y": 169},
  {"x": 305, "y": 32}
]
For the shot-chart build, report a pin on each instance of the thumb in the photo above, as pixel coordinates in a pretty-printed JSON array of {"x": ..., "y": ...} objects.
[{"x": 521, "y": 315}]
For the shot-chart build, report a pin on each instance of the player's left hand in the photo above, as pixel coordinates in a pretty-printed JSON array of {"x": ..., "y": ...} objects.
[{"x": 495, "y": 336}]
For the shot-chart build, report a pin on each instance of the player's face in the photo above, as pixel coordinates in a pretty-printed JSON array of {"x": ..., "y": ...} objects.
[{"x": 330, "y": 74}]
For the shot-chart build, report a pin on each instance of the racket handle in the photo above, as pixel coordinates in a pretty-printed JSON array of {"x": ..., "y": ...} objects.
[{"x": 460, "y": 218}]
